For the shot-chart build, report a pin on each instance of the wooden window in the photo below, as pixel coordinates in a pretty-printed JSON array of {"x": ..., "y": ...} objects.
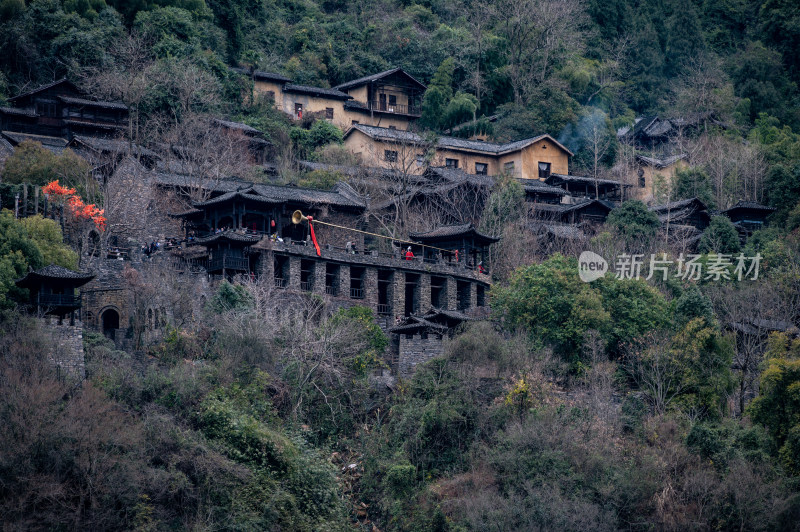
[
  {"x": 271, "y": 95},
  {"x": 390, "y": 155},
  {"x": 392, "y": 127},
  {"x": 509, "y": 167},
  {"x": 329, "y": 113},
  {"x": 420, "y": 159},
  {"x": 392, "y": 99},
  {"x": 451, "y": 163},
  {"x": 481, "y": 168},
  {"x": 544, "y": 170}
]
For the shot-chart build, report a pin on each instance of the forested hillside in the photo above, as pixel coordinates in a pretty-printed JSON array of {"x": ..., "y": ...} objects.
[
  {"x": 735, "y": 59},
  {"x": 627, "y": 403}
]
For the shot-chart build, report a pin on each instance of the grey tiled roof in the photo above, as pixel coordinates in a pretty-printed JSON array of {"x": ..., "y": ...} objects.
[
  {"x": 678, "y": 205},
  {"x": 752, "y": 205},
  {"x": 81, "y": 101},
  {"x": 435, "y": 319},
  {"x": 569, "y": 207},
  {"x": 355, "y": 105},
  {"x": 550, "y": 207},
  {"x": 262, "y": 75},
  {"x": 451, "y": 142},
  {"x": 310, "y": 196},
  {"x": 53, "y": 144},
  {"x": 242, "y": 195},
  {"x": 435, "y": 314},
  {"x": 187, "y": 213},
  {"x": 564, "y": 231},
  {"x": 42, "y": 88},
  {"x": 342, "y": 195},
  {"x": 660, "y": 163},
  {"x": 239, "y": 126},
  {"x": 19, "y": 112},
  {"x": 583, "y": 179},
  {"x": 316, "y": 91},
  {"x": 112, "y": 145},
  {"x": 54, "y": 272},
  {"x": 386, "y": 133},
  {"x": 679, "y": 210},
  {"x": 375, "y": 77},
  {"x": 534, "y": 185},
  {"x": 451, "y": 231},
  {"x": 414, "y": 323}
]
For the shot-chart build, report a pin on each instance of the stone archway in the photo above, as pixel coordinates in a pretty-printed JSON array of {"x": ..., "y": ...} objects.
[{"x": 109, "y": 319}]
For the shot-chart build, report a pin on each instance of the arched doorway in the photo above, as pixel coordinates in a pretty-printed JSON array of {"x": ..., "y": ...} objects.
[{"x": 110, "y": 320}]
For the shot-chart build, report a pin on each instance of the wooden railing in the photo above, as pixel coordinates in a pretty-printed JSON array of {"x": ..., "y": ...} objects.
[
  {"x": 395, "y": 108},
  {"x": 229, "y": 263},
  {"x": 280, "y": 282},
  {"x": 384, "y": 310},
  {"x": 357, "y": 293},
  {"x": 59, "y": 300}
]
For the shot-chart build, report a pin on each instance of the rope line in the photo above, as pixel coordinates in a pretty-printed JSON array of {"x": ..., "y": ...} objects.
[{"x": 383, "y": 236}]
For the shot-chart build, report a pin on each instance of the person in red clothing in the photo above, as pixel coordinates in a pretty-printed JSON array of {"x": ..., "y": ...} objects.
[{"x": 409, "y": 254}]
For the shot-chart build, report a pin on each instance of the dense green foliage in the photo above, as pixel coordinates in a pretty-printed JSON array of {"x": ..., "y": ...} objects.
[
  {"x": 720, "y": 237},
  {"x": 29, "y": 243},
  {"x": 556, "y": 307},
  {"x": 616, "y": 58},
  {"x": 778, "y": 407},
  {"x": 577, "y": 406},
  {"x": 633, "y": 220},
  {"x": 30, "y": 163}
]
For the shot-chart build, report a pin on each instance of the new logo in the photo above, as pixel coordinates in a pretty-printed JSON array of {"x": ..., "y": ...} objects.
[{"x": 591, "y": 266}]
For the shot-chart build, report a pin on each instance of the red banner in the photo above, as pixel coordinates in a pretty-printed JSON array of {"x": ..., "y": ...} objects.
[{"x": 313, "y": 236}]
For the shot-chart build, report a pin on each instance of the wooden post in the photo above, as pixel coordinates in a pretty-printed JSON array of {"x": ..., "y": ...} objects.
[
  {"x": 24, "y": 200},
  {"x": 36, "y": 200}
]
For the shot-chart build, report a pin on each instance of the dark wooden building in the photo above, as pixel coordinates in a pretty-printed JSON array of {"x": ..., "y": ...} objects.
[
  {"x": 393, "y": 91},
  {"x": 588, "y": 211},
  {"x": 267, "y": 209},
  {"x": 60, "y": 109},
  {"x": 541, "y": 192},
  {"x": 52, "y": 289},
  {"x": 748, "y": 216},
  {"x": 688, "y": 212},
  {"x": 588, "y": 187},
  {"x": 460, "y": 243}
]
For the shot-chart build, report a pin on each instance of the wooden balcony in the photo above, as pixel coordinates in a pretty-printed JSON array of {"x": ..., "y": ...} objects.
[
  {"x": 357, "y": 293},
  {"x": 229, "y": 263},
  {"x": 383, "y": 107},
  {"x": 59, "y": 301}
]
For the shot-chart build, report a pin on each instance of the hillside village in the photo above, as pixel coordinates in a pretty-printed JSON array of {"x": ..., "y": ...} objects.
[
  {"x": 432, "y": 266},
  {"x": 227, "y": 228}
]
